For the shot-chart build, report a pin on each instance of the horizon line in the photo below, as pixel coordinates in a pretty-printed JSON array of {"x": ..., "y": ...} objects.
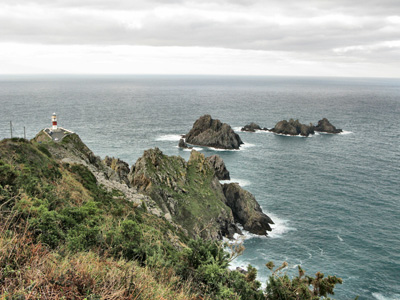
[{"x": 189, "y": 74}]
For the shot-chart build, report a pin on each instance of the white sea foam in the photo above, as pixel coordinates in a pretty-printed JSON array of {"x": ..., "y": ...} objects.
[
  {"x": 278, "y": 230},
  {"x": 242, "y": 182},
  {"x": 280, "y": 227},
  {"x": 264, "y": 131},
  {"x": 194, "y": 148},
  {"x": 222, "y": 150},
  {"x": 246, "y": 145},
  {"x": 169, "y": 137},
  {"x": 345, "y": 132},
  {"x": 300, "y": 136},
  {"x": 379, "y": 296},
  {"x": 237, "y": 129}
]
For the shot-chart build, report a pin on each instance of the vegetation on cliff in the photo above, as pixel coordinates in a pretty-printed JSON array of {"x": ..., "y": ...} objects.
[{"x": 65, "y": 235}]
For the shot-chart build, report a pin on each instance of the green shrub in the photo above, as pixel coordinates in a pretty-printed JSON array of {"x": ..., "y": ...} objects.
[{"x": 301, "y": 287}]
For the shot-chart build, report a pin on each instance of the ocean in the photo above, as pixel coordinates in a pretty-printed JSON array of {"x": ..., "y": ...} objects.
[{"x": 335, "y": 199}]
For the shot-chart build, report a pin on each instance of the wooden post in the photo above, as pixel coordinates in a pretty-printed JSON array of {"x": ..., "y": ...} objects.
[
  {"x": 24, "y": 133},
  {"x": 11, "y": 128}
]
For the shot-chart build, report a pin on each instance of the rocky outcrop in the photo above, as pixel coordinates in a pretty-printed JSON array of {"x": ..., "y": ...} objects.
[
  {"x": 219, "y": 167},
  {"x": 293, "y": 128},
  {"x": 252, "y": 127},
  {"x": 191, "y": 194},
  {"x": 246, "y": 209},
  {"x": 111, "y": 173},
  {"x": 213, "y": 133},
  {"x": 325, "y": 126},
  {"x": 119, "y": 170},
  {"x": 182, "y": 144}
]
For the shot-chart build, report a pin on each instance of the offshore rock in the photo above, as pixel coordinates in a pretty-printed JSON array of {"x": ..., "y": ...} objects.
[
  {"x": 325, "y": 126},
  {"x": 182, "y": 144},
  {"x": 219, "y": 167},
  {"x": 213, "y": 133},
  {"x": 252, "y": 127},
  {"x": 293, "y": 128},
  {"x": 246, "y": 209}
]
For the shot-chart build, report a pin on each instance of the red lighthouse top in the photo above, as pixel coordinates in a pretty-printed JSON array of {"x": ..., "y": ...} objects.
[{"x": 54, "y": 121}]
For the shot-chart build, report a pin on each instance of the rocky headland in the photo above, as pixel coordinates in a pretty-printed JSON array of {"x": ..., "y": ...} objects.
[
  {"x": 213, "y": 133},
  {"x": 178, "y": 190},
  {"x": 186, "y": 190},
  {"x": 76, "y": 226}
]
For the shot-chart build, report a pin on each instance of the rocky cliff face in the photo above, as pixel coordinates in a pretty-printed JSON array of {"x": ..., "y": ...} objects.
[
  {"x": 187, "y": 194},
  {"x": 187, "y": 191},
  {"x": 119, "y": 170},
  {"x": 213, "y": 133},
  {"x": 191, "y": 194},
  {"x": 219, "y": 167}
]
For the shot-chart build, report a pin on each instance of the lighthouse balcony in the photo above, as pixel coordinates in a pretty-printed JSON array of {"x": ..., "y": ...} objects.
[{"x": 57, "y": 134}]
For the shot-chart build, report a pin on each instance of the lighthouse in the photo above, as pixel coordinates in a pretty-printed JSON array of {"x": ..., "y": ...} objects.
[
  {"x": 54, "y": 121},
  {"x": 56, "y": 133}
]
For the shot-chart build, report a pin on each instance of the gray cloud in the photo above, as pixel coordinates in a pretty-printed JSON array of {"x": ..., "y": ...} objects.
[{"x": 310, "y": 28}]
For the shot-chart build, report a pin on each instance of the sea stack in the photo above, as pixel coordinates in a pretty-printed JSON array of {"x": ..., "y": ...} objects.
[
  {"x": 293, "y": 128},
  {"x": 252, "y": 127},
  {"x": 325, "y": 126},
  {"x": 213, "y": 133}
]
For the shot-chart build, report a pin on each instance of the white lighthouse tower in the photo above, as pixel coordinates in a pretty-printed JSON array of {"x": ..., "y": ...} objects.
[{"x": 54, "y": 121}]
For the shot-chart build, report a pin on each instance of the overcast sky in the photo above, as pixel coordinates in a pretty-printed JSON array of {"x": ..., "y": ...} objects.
[{"x": 255, "y": 37}]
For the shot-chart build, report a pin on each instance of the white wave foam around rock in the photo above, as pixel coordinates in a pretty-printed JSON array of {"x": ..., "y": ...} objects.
[
  {"x": 345, "y": 132},
  {"x": 241, "y": 182},
  {"x": 194, "y": 148},
  {"x": 169, "y": 137},
  {"x": 246, "y": 145},
  {"x": 280, "y": 227}
]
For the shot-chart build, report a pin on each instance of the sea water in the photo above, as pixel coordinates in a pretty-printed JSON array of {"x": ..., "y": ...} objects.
[{"x": 335, "y": 199}]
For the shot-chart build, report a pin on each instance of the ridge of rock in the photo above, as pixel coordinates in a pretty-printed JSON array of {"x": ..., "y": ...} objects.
[
  {"x": 252, "y": 127},
  {"x": 293, "y": 128}
]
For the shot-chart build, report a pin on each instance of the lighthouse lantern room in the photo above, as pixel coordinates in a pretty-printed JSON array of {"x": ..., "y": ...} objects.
[{"x": 54, "y": 121}]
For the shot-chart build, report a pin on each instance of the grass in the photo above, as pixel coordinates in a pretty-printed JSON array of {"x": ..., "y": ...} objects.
[{"x": 30, "y": 270}]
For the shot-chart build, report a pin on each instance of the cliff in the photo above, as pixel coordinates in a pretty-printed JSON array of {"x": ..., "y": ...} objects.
[
  {"x": 76, "y": 227},
  {"x": 170, "y": 187},
  {"x": 186, "y": 190}
]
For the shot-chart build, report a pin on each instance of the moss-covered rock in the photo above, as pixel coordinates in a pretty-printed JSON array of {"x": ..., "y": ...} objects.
[{"x": 189, "y": 191}]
